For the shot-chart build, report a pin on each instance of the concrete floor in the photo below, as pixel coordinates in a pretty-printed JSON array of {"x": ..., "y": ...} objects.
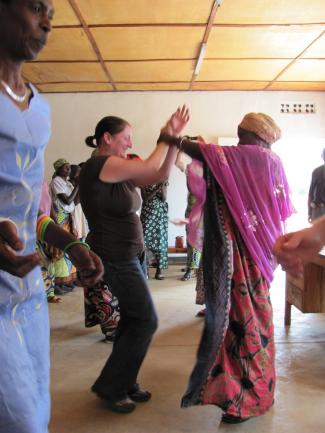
[{"x": 78, "y": 356}]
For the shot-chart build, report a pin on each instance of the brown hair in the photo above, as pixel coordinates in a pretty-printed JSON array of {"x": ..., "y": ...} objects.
[{"x": 110, "y": 124}]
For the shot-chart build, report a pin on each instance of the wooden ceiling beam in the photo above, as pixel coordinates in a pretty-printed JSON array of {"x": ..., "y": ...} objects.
[
  {"x": 264, "y": 25},
  {"x": 294, "y": 60},
  {"x": 93, "y": 43},
  {"x": 215, "y": 6}
]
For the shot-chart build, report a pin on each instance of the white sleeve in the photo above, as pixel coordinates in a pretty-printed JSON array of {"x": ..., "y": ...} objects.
[{"x": 58, "y": 186}]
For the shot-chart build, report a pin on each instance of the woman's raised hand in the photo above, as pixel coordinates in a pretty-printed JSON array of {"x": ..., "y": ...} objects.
[{"x": 177, "y": 121}]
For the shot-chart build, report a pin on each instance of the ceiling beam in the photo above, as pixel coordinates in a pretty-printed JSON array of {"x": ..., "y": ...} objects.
[
  {"x": 294, "y": 60},
  {"x": 92, "y": 41},
  {"x": 216, "y": 4},
  {"x": 94, "y": 26}
]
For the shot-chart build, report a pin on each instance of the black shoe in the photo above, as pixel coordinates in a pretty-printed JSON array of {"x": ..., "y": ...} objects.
[
  {"x": 232, "y": 419},
  {"x": 122, "y": 406},
  {"x": 159, "y": 276},
  {"x": 125, "y": 405},
  {"x": 139, "y": 395},
  {"x": 187, "y": 275}
]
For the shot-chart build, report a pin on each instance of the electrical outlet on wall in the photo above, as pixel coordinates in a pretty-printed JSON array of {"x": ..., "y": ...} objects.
[{"x": 297, "y": 107}]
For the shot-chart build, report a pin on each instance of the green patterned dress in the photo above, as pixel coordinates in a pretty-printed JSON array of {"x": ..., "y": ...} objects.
[{"x": 154, "y": 218}]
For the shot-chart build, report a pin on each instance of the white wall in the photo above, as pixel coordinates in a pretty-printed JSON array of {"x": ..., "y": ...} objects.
[{"x": 213, "y": 114}]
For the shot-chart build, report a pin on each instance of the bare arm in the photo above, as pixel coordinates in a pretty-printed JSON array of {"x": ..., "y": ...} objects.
[
  {"x": 68, "y": 199},
  {"x": 118, "y": 169},
  {"x": 296, "y": 248},
  {"x": 161, "y": 174},
  {"x": 89, "y": 266},
  {"x": 192, "y": 149},
  {"x": 156, "y": 167}
]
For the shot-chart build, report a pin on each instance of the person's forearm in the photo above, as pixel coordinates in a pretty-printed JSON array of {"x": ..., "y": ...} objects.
[
  {"x": 68, "y": 199},
  {"x": 192, "y": 149},
  {"x": 170, "y": 159},
  {"x": 73, "y": 195},
  {"x": 319, "y": 226},
  {"x": 57, "y": 236},
  {"x": 158, "y": 155}
]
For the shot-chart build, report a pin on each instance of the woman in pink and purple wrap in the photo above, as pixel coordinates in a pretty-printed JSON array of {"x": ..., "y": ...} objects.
[{"x": 243, "y": 201}]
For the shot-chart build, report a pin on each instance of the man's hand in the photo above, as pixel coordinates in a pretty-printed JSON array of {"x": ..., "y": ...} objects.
[{"x": 10, "y": 262}]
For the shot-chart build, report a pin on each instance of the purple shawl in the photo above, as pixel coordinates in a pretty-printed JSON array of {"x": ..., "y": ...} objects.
[{"x": 256, "y": 190}]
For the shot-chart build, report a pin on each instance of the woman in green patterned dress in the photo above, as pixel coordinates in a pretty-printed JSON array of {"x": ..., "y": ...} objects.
[{"x": 154, "y": 218}]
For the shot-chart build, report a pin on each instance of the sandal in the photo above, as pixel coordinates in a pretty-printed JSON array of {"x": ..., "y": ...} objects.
[
  {"x": 232, "y": 419},
  {"x": 54, "y": 299},
  {"x": 187, "y": 276},
  {"x": 201, "y": 313}
]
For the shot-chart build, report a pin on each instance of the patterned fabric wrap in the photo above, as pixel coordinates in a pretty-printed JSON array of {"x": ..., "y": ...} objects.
[
  {"x": 199, "y": 288},
  {"x": 101, "y": 308},
  {"x": 235, "y": 360},
  {"x": 193, "y": 255},
  {"x": 154, "y": 219},
  {"x": 241, "y": 378},
  {"x": 65, "y": 272},
  {"x": 197, "y": 187},
  {"x": 217, "y": 269},
  {"x": 258, "y": 210},
  {"x": 48, "y": 274}
]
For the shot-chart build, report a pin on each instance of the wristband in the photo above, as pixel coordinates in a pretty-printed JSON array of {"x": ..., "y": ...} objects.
[
  {"x": 42, "y": 223},
  {"x": 169, "y": 139},
  {"x": 71, "y": 244}
]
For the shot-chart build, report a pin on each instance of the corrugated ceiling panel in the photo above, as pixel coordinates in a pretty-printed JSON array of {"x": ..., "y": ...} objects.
[
  {"x": 317, "y": 50},
  {"x": 238, "y": 70},
  {"x": 160, "y": 71},
  {"x": 271, "y": 12},
  {"x": 68, "y": 44},
  {"x": 63, "y": 72},
  {"x": 64, "y": 14},
  {"x": 258, "y": 42},
  {"x": 305, "y": 70},
  {"x": 136, "y": 43},
  {"x": 145, "y": 11}
]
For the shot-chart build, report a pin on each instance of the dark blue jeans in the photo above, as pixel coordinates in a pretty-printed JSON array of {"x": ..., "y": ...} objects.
[{"x": 138, "y": 322}]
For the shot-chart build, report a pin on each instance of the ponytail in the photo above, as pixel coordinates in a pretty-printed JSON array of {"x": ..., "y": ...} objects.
[{"x": 90, "y": 141}]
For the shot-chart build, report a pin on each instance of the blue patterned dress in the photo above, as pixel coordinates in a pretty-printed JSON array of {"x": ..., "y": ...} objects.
[{"x": 24, "y": 327}]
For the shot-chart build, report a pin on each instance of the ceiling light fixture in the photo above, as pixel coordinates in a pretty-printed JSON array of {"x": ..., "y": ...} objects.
[{"x": 200, "y": 58}]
